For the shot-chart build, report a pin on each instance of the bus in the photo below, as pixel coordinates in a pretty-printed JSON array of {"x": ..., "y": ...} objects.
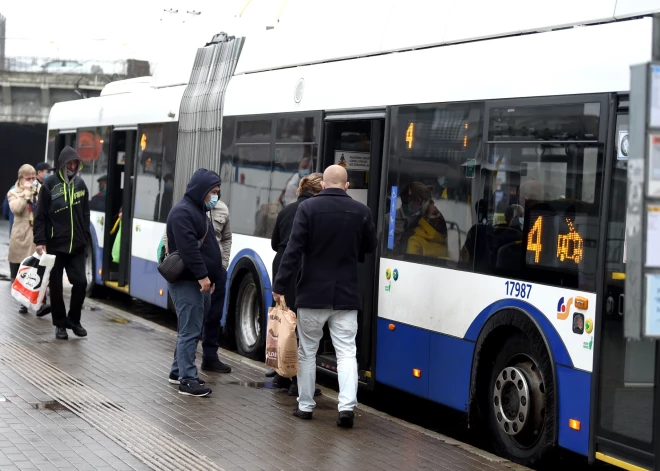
[{"x": 509, "y": 306}]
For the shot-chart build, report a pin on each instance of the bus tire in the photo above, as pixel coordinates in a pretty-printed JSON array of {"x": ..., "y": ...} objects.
[
  {"x": 93, "y": 290},
  {"x": 518, "y": 399},
  {"x": 249, "y": 319}
]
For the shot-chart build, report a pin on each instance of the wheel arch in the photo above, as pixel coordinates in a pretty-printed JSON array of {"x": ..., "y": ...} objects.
[
  {"x": 245, "y": 261},
  {"x": 494, "y": 325}
]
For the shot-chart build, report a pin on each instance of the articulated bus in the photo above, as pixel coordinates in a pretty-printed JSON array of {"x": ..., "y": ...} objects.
[{"x": 509, "y": 307}]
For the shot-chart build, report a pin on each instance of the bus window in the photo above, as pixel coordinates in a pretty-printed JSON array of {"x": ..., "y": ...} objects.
[
  {"x": 540, "y": 196},
  {"x": 431, "y": 171}
]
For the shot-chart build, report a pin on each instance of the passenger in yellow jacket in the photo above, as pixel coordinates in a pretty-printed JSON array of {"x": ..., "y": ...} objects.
[{"x": 429, "y": 238}]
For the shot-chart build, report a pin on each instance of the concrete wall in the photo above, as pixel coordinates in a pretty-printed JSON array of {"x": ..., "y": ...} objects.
[{"x": 26, "y": 97}]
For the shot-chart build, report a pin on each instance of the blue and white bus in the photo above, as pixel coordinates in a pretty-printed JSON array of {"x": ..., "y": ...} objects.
[{"x": 516, "y": 134}]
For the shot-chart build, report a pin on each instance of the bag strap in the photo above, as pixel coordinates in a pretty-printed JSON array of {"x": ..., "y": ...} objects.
[{"x": 201, "y": 242}]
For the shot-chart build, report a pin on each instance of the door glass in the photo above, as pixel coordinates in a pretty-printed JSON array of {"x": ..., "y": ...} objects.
[
  {"x": 352, "y": 150},
  {"x": 628, "y": 367}
]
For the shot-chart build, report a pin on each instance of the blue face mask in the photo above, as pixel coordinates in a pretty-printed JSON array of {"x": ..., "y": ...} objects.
[
  {"x": 304, "y": 172},
  {"x": 46, "y": 175},
  {"x": 103, "y": 191},
  {"x": 211, "y": 204},
  {"x": 168, "y": 186}
]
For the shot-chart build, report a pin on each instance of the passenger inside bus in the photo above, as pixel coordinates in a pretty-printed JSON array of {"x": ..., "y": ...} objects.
[
  {"x": 288, "y": 195},
  {"x": 164, "y": 203},
  {"x": 429, "y": 236},
  {"x": 97, "y": 203}
]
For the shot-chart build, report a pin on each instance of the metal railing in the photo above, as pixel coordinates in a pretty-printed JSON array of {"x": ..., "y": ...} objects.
[{"x": 49, "y": 65}]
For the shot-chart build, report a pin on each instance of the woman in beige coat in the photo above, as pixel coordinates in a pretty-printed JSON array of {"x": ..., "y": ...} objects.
[{"x": 23, "y": 202}]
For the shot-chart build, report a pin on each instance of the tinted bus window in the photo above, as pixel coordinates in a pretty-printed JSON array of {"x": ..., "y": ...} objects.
[{"x": 433, "y": 150}]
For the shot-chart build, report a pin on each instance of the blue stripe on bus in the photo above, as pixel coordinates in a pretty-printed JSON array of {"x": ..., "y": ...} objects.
[
  {"x": 263, "y": 275},
  {"x": 445, "y": 363},
  {"x": 557, "y": 347},
  {"x": 145, "y": 282},
  {"x": 574, "y": 394}
]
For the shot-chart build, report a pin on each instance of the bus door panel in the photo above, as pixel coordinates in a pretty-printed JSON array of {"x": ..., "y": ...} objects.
[
  {"x": 626, "y": 380},
  {"x": 357, "y": 145},
  {"x": 118, "y": 206}
]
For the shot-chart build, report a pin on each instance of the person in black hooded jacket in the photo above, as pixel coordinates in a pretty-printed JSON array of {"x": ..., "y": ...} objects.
[
  {"x": 190, "y": 232},
  {"x": 62, "y": 228}
]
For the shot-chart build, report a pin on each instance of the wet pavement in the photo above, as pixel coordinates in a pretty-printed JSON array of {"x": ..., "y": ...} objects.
[{"x": 104, "y": 402}]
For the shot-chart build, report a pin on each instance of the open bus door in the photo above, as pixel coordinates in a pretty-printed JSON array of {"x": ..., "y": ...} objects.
[
  {"x": 624, "y": 371},
  {"x": 119, "y": 201},
  {"x": 356, "y": 142}
]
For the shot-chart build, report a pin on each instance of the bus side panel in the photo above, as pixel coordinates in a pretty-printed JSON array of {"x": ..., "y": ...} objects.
[
  {"x": 574, "y": 389},
  {"x": 398, "y": 352},
  {"x": 146, "y": 283},
  {"x": 97, "y": 253},
  {"x": 449, "y": 375}
]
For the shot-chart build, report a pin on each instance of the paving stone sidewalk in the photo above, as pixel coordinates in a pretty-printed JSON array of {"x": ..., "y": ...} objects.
[{"x": 116, "y": 379}]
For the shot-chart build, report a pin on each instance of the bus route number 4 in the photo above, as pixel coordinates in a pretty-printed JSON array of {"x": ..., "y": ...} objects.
[{"x": 519, "y": 290}]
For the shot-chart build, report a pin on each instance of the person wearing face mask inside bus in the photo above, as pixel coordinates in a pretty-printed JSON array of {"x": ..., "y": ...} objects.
[
  {"x": 62, "y": 228},
  {"x": 290, "y": 193},
  {"x": 190, "y": 233}
]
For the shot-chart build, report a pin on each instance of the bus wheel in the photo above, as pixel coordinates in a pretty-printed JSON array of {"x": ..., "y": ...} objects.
[
  {"x": 250, "y": 339},
  {"x": 521, "y": 412},
  {"x": 90, "y": 268}
]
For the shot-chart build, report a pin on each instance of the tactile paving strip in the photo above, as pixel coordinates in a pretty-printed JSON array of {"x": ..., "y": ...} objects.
[{"x": 146, "y": 442}]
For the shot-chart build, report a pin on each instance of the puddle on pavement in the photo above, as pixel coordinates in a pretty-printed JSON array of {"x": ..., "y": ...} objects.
[
  {"x": 49, "y": 405},
  {"x": 254, "y": 384}
]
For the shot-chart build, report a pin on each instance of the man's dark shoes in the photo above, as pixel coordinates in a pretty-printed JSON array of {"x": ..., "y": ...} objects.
[
  {"x": 281, "y": 382},
  {"x": 301, "y": 414},
  {"x": 345, "y": 419},
  {"x": 270, "y": 373},
  {"x": 293, "y": 391},
  {"x": 78, "y": 329},
  {"x": 22, "y": 310},
  {"x": 60, "y": 333},
  {"x": 174, "y": 379},
  {"x": 216, "y": 365},
  {"x": 44, "y": 310},
  {"x": 193, "y": 388}
]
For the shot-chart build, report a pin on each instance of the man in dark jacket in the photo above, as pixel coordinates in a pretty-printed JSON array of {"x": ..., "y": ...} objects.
[
  {"x": 190, "y": 232},
  {"x": 331, "y": 233},
  {"x": 62, "y": 228}
]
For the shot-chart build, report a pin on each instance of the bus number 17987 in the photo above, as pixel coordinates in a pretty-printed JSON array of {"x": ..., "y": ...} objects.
[{"x": 519, "y": 290}]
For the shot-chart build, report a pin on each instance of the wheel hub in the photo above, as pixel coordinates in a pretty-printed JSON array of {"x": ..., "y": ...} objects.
[
  {"x": 250, "y": 328},
  {"x": 511, "y": 400}
]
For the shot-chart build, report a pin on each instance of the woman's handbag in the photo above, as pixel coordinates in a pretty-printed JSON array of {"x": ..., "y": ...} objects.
[{"x": 172, "y": 265}]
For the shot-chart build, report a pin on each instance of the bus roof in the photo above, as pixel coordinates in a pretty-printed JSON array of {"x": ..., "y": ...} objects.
[
  {"x": 313, "y": 32},
  {"x": 149, "y": 105}
]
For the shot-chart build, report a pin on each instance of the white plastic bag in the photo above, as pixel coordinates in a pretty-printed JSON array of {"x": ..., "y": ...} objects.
[{"x": 29, "y": 287}]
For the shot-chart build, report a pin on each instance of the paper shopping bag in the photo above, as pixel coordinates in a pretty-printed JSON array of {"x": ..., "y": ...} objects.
[
  {"x": 29, "y": 287},
  {"x": 281, "y": 342}
]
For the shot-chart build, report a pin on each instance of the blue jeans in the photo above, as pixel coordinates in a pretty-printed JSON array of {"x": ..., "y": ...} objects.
[{"x": 190, "y": 306}]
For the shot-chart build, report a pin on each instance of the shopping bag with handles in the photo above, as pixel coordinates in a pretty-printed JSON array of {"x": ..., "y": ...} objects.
[
  {"x": 281, "y": 342},
  {"x": 29, "y": 287}
]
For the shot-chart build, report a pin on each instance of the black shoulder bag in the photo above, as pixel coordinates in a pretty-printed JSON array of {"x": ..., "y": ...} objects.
[{"x": 172, "y": 265}]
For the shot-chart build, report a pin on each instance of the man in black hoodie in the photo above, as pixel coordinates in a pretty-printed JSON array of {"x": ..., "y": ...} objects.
[
  {"x": 61, "y": 228},
  {"x": 190, "y": 232}
]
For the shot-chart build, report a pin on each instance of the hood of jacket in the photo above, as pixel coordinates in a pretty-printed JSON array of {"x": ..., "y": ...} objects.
[
  {"x": 427, "y": 232},
  {"x": 200, "y": 184},
  {"x": 67, "y": 155}
]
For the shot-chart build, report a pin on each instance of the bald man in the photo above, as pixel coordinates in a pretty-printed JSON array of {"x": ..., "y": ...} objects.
[{"x": 331, "y": 233}]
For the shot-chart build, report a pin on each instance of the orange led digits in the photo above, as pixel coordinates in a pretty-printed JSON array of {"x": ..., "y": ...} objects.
[
  {"x": 534, "y": 239},
  {"x": 409, "y": 135},
  {"x": 570, "y": 246}
]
